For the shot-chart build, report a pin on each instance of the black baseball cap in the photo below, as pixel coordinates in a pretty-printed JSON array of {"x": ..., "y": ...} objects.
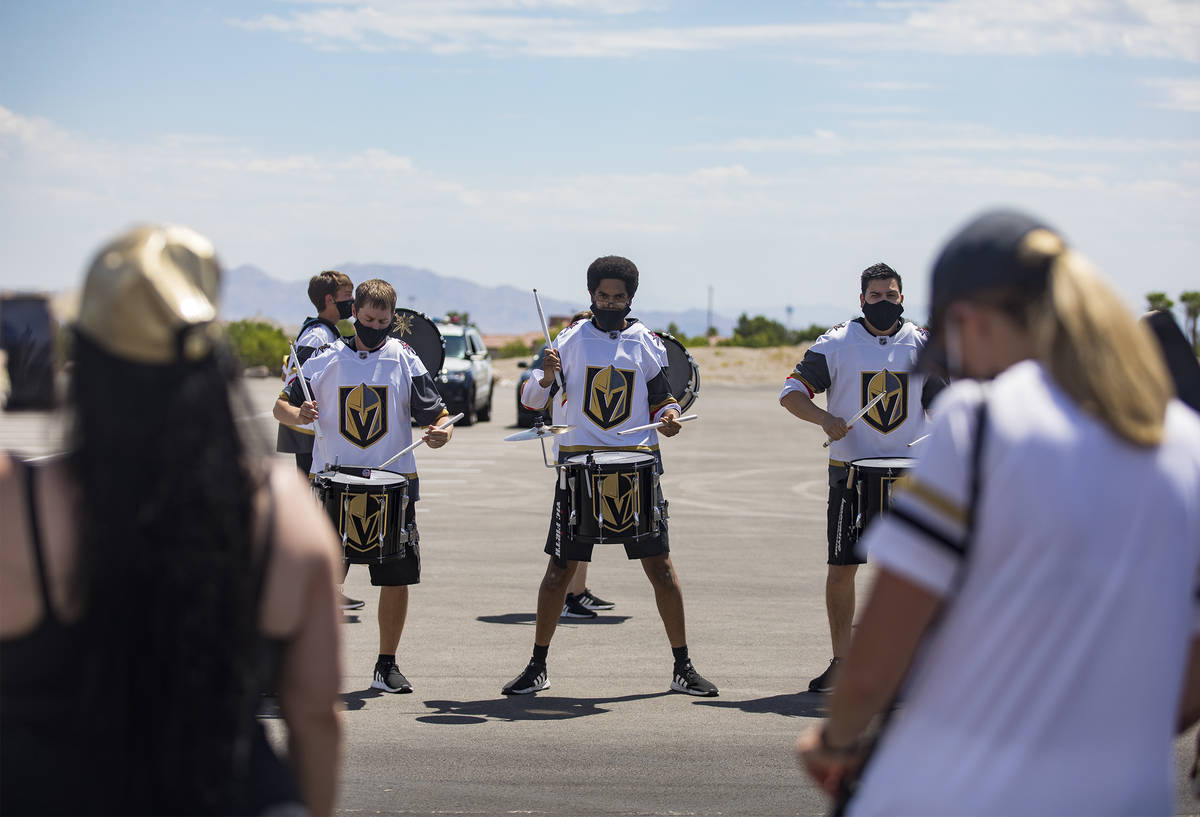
[{"x": 984, "y": 254}]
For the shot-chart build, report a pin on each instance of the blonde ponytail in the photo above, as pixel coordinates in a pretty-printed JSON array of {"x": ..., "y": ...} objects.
[{"x": 1093, "y": 347}]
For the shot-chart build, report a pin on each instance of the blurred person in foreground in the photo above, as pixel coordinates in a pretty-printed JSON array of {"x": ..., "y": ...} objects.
[
  {"x": 157, "y": 576},
  {"x": 1040, "y": 564}
]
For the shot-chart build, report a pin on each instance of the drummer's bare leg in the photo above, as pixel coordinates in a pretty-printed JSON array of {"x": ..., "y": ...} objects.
[
  {"x": 551, "y": 595},
  {"x": 668, "y": 595},
  {"x": 393, "y": 611},
  {"x": 839, "y": 606},
  {"x": 579, "y": 583}
]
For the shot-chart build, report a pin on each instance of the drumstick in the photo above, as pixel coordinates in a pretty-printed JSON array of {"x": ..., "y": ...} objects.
[
  {"x": 917, "y": 440},
  {"x": 858, "y": 416},
  {"x": 658, "y": 424},
  {"x": 304, "y": 387},
  {"x": 404, "y": 451},
  {"x": 546, "y": 332}
]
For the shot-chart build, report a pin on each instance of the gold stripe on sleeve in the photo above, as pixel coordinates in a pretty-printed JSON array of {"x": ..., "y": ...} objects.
[{"x": 932, "y": 497}]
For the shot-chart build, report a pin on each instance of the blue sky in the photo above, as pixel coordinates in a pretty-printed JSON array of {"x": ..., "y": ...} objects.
[{"x": 769, "y": 150}]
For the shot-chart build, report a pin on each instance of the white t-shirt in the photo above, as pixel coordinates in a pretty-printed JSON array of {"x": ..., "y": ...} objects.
[
  {"x": 854, "y": 365},
  {"x": 366, "y": 403},
  {"x": 1051, "y": 683},
  {"x": 615, "y": 380}
]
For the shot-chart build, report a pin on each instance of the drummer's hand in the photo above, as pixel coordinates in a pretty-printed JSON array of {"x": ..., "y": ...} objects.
[
  {"x": 670, "y": 425},
  {"x": 550, "y": 365},
  {"x": 437, "y": 437},
  {"x": 825, "y": 768},
  {"x": 308, "y": 412},
  {"x": 835, "y": 427}
]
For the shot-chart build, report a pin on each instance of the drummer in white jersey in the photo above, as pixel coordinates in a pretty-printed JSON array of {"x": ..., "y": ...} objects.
[
  {"x": 332, "y": 293},
  {"x": 615, "y": 374},
  {"x": 853, "y": 362},
  {"x": 366, "y": 392}
]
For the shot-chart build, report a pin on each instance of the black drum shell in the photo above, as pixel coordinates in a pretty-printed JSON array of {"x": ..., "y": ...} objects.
[
  {"x": 873, "y": 482},
  {"x": 622, "y": 526},
  {"x": 683, "y": 373},
  {"x": 341, "y": 491},
  {"x": 420, "y": 332}
]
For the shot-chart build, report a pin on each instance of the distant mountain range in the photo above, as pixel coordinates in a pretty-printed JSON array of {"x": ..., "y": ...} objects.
[{"x": 249, "y": 292}]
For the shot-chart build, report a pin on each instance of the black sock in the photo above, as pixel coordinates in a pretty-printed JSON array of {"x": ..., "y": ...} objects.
[
  {"x": 386, "y": 659},
  {"x": 681, "y": 655},
  {"x": 540, "y": 653}
]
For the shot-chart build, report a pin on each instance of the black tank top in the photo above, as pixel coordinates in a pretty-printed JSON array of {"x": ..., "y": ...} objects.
[{"x": 45, "y": 746}]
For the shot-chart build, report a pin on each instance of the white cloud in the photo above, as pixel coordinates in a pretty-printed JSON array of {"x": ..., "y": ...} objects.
[
  {"x": 1177, "y": 94},
  {"x": 62, "y": 193},
  {"x": 935, "y": 140},
  {"x": 1165, "y": 29}
]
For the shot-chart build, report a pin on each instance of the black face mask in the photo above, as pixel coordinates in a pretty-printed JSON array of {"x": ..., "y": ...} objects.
[
  {"x": 344, "y": 308},
  {"x": 882, "y": 314},
  {"x": 368, "y": 336},
  {"x": 609, "y": 320}
]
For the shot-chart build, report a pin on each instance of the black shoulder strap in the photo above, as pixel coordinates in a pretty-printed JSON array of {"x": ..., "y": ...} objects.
[
  {"x": 976, "y": 466},
  {"x": 310, "y": 321},
  {"x": 35, "y": 536}
]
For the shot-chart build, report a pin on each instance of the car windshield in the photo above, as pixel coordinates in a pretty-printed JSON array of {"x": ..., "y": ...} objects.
[
  {"x": 456, "y": 346},
  {"x": 538, "y": 358}
]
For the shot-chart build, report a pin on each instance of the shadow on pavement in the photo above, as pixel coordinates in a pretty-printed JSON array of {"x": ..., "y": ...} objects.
[
  {"x": 358, "y": 699},
  {"x": 795, "y": 704},
  {"x": 522, "y": 708},
  {"x": 350, "y": 618},
  {"x": 530, "y": 618}
]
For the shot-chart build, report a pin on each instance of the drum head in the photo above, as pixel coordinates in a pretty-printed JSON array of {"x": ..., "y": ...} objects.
[
  {"x": 420, "y": 332},
  {"x": 682, "y": 372},
  {"x": 884, "y": 463},
  {"x": 612, "y": 458},
  {"x": 349, "y": 475}
]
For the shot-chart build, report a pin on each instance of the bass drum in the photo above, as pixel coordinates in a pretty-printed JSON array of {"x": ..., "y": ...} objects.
[
  {"x": 682, "y": 372},
  {"x": 420, "y": 332}
]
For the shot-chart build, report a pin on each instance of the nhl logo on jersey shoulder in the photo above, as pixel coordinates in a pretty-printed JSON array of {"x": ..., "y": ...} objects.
[
  {"x": 889, "y": 413},
  {"x": 608, "y": 395},
  {"x": 362, "y": 413}
]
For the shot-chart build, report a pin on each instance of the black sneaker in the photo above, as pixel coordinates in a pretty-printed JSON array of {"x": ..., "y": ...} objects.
[
  {"x": 533, "y": 679},
  {"x": 351, "y": 604},
  {"x": 389, "y": 679},
  {"x": 688, "y": 681},
  {"x": 593, "y": 602},
  {"x": 573, "y": 608},
  {"x": 824, "y": 681}
]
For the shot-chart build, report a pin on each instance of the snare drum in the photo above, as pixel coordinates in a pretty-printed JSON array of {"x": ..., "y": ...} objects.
[
  {"x": 369, "y": 508},
  {"x": 873, "y": 479},
  {"x": 614, "y": 497}
]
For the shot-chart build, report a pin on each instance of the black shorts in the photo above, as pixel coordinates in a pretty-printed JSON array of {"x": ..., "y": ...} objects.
[
  {"x": 563, "y": 548},
  {"x": 395, "y": 571},
  {"x": 841, "y": 532}
]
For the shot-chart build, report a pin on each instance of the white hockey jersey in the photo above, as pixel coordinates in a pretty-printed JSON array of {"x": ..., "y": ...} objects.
[
  {"x": 366, "y": 403},
  {"x": 314, "y": 334},
  {"x": 614, "y": 381},
  {"x": 854, "y": 366}
]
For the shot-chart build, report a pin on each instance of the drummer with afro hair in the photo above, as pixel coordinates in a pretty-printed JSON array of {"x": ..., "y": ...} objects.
[{"x": 615, "y": 375}]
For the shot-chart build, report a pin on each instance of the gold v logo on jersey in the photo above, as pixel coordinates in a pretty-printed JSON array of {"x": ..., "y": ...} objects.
[
  {"x": 362, "y": 413},
  {"x": 615, "y": 499},
  {"x": 608, "y": 395},
  {"x": 365, "y": 517},
  {"x": 889, "y": 413}
]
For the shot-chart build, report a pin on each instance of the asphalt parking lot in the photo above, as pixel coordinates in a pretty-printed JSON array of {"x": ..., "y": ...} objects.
[{"x": 746, "y": 484}]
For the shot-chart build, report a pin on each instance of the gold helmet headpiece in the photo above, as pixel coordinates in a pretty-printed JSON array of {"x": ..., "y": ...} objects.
[{"x": 151, "y": 294}]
